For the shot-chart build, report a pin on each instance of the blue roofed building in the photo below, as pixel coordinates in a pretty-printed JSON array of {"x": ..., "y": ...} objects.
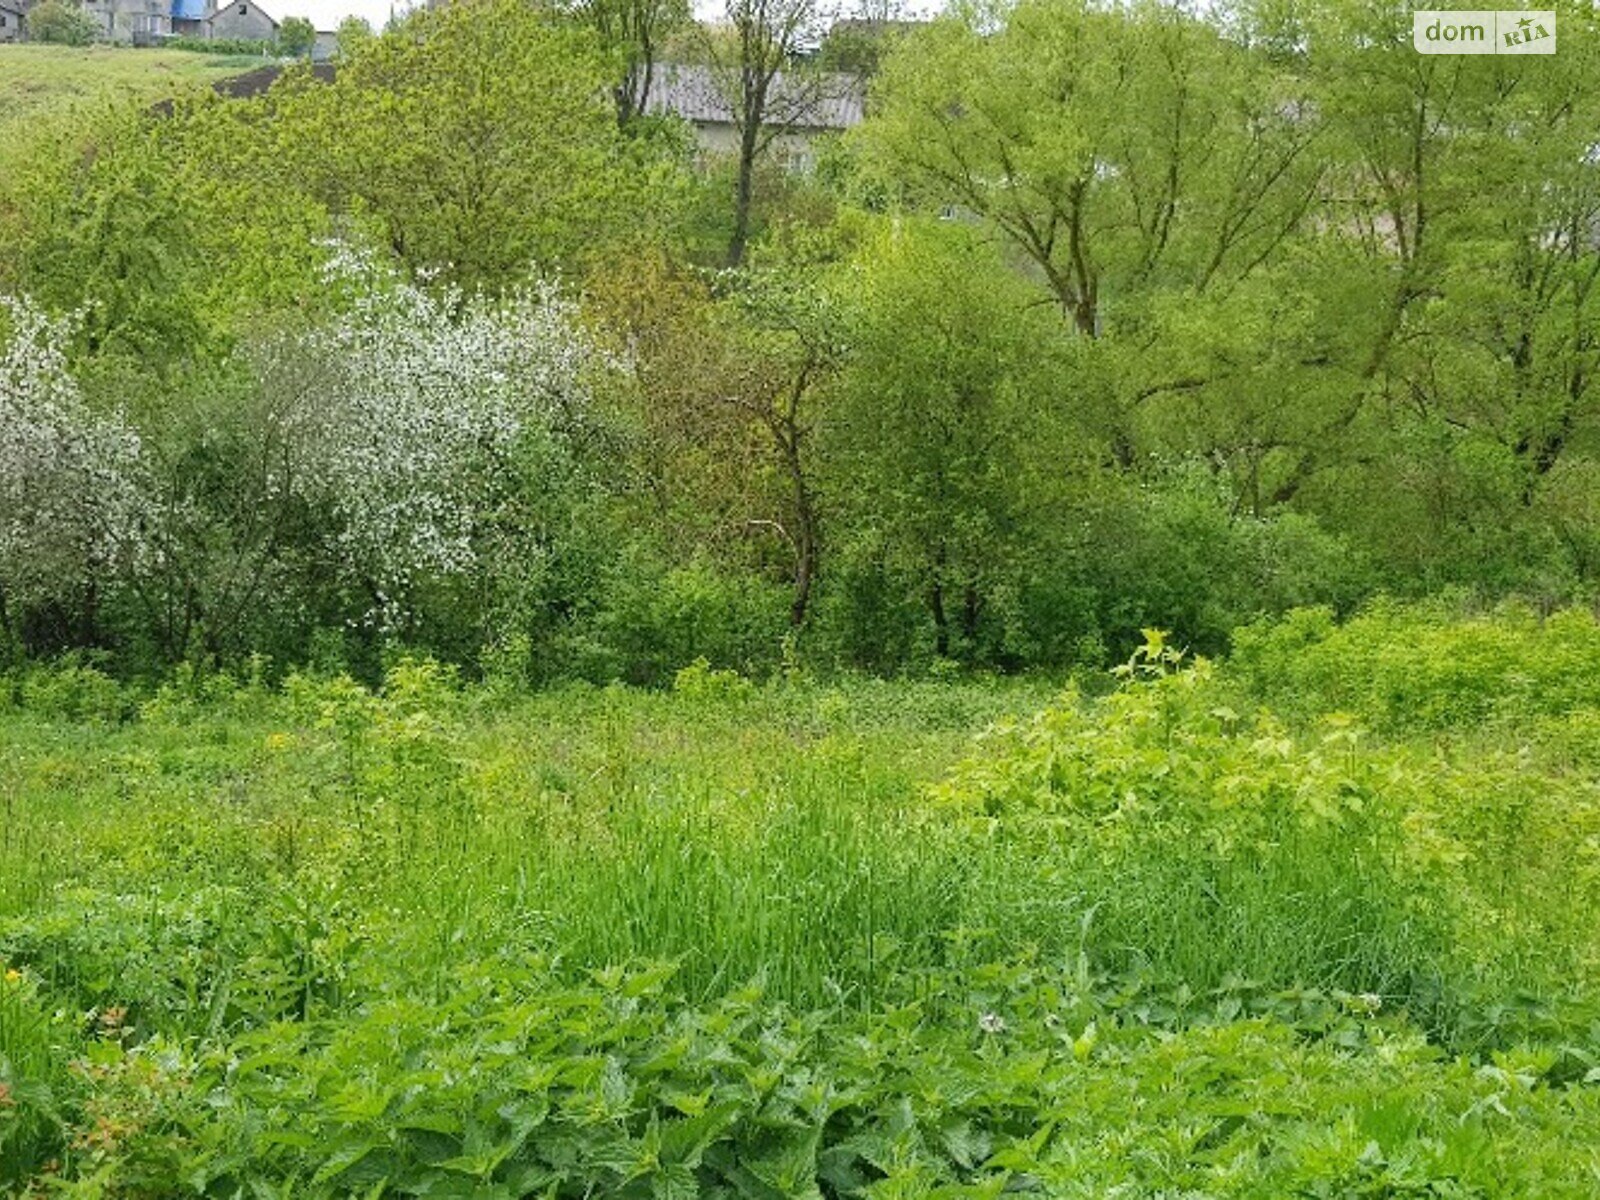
[{"x": 189, "y": 18}]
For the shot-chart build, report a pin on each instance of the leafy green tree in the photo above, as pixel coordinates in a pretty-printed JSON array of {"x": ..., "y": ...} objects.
[
  {"x": 1349, "y": 278},
  {"x": 296, "y": 37},
  {"x": 353, "y": 34},
  {"x": 768, "y": 90},
  {"x": 1448, "y": 278},
  {"x": 1206, "y": 170},
  {"x": 945, "y": 394},
  {"x": 475, "y": 139},
  {"x": 1115, "y": 148},
  {"x": 128, "y": 236},
  {"x": 62, "y": 22},
  {"x": 634, "y": 31},
  {"x": 730, "y": 383}
]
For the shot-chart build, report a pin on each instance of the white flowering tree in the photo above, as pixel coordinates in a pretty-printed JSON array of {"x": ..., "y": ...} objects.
[
  {"x": 441, "y": 425},
  {"x": 71, "y": 506}
]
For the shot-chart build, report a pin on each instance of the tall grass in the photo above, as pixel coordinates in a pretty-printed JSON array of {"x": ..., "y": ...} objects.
[
  {"x": 370, "y": 897},
  {"x": 815, "y": 838}
]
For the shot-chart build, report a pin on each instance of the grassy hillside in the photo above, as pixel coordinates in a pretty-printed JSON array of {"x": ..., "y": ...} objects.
[
  {"x": 37, "y": 78},
  {"x": 39, "y": 81}
]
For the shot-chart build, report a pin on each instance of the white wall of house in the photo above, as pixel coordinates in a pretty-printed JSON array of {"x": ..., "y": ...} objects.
[
  {"x": 123, "y": 20},
  {"x": 794, "y": 151}
]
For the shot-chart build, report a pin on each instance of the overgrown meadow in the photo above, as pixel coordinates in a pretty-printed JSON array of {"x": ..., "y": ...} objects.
[
  {"x": 1313, "y": 921},
  {"x": 1038, "y": 644}
]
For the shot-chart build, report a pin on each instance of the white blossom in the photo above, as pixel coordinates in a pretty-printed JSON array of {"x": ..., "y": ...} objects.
[
  {"x": 70, "y": 501},
  {"x": 427, "y": 404}
]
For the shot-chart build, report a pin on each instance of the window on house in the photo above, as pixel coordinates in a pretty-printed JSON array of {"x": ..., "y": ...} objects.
[{"x": 244, "y": 10}]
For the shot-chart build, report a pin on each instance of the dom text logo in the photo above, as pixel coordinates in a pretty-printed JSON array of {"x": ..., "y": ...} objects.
[{"x": 1484, "y": 32}]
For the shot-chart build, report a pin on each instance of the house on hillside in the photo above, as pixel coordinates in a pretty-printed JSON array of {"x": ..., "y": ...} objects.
[
  {"x": 242, "y": 20},
  {"x": 12, "y": 16},
  {"x": 804, "y": 105},
  {"x": 140, "y": 21},
  {"x": 150, "y": 22},
  {"x": 247, "y": 20}
]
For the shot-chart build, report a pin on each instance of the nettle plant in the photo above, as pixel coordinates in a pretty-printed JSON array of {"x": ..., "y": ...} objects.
[
  {"x": 71, "y": 502},
  {"x": 442, "y": 427}
]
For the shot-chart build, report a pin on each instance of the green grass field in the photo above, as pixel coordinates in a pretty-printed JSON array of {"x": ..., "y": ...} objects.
[
  {"x": 40, "y": 85},
  {"x": 959, "y": 938},
  {"x": 36, "y": 79}
]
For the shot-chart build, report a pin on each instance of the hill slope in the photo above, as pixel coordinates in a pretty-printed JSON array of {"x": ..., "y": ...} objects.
[{"x": 37, "y": 81}]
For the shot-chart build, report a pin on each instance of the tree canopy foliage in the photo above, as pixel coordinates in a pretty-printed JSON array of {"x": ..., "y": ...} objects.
[{"x": 1108, "y": 315}]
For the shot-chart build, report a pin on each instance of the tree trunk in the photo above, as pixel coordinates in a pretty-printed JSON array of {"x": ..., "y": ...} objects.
[
  {"x": 804, "y": 574},
  {"x": 941, "y": 620},
  {"x": 941, "y": 623},
  {"x": 742, "y": 193},
  {"x": 971, "y": 609},
  {"x": 807, "y": 539}
]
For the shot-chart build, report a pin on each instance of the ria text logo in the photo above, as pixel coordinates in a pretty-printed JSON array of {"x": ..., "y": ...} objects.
[{"x": 1484, "y": 32}]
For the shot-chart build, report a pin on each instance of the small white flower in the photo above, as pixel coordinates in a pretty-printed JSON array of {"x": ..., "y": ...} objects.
[
  {"x": 426, "y": 401},
  {"x": 992, "y": 1023},
  {"x": 72, "y": 500}
]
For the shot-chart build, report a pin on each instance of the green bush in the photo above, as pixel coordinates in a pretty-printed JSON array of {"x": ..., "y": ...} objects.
[
  {"x": 1420, "y": 667},
  {"x": 244, "y": 47},
  {"x": 71, "y": 689},
  {"x": 1201, "y": 843},
  {"x": 657, "y": 621},
  {"x": 1174, "y": 553},
  {"x": 63, "y": 22}
]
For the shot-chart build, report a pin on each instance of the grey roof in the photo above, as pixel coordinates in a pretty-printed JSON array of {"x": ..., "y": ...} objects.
[
  {"x": 224, "y": 8},
  {"x": 813, "y": 100}
]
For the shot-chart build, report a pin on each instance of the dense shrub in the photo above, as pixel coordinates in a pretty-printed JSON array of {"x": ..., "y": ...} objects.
[
  {"x": 1425, "y": 666},
  {"x": 1200, "y": 842},
  {"x": 227, "y": 46},
  {"x": 659, "y": 618},
  {"x": 63, "y": 23},
  {"x": 1172, "y": 552}
]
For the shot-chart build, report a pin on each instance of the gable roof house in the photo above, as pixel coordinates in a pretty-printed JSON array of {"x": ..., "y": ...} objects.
[
  {"x": 241, "y": 19},
  {"x": 803, "y": 105}
]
